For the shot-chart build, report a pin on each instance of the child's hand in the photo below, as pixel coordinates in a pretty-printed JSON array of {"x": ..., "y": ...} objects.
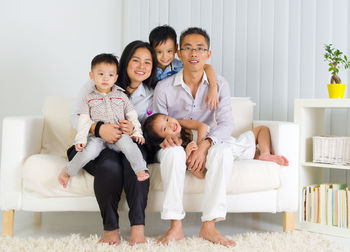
[
  {"x": 79, "y": 147},
  {"x": 126, "y": 127},
  {"x": 171, "y": 141},
  {"x": 139, "y": 140},
  {"x": 192, "y": 146},
  {"x": 212, "y": 99}
]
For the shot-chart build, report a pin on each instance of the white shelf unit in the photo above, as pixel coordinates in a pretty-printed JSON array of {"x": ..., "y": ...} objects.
[{"x": 310, "y": 115}]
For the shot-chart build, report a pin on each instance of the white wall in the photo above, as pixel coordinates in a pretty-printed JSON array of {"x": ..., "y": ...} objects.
[
  {"x": 46, "y": 48},
  {"x": 270, "y": 50}
]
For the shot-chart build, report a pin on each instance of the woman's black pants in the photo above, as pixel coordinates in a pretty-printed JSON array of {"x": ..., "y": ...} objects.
[{"x": 113, "y": 173}]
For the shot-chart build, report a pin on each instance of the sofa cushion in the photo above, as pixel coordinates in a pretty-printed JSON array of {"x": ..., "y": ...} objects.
[
  {"x": 247, "y": 176},
  {"x": 58, "y": 133},
  {"x": 40, "y": 174}
]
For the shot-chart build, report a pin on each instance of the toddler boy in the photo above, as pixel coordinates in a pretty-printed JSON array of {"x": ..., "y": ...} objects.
[{"x": 105, "y": 103}]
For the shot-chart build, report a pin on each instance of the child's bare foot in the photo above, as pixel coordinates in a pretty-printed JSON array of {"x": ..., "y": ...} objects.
[
  {"x": 111, "y": 237},
  {"x": 200, "y": 173},
  {"x": 142, "y": 175},
  {"x": 63, "y": 177},
  {"x": 210, "y": 233},
  {"x": 137, "y": 235},
  {"x": 281, "y": 160}
]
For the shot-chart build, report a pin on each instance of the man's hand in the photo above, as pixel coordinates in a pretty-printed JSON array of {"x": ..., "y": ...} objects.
[
  {"x": 126, "y": 127},
  {"x": 171, "y": 141},
  {"x": 111, "y": 133},
  {"x": 197, "y": 159},
  {"x": 79, "y": 147}
]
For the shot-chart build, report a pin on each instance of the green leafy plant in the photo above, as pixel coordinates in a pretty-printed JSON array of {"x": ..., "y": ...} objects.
[{"x": 336, "y": 59}]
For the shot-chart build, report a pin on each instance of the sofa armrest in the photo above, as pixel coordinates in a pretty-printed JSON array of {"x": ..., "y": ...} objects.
[
  {"x": 285, "y": 141},
  {"x": 21, "y": 138}
]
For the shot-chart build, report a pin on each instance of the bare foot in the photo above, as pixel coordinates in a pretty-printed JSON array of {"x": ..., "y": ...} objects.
[
  {"x": 111, "y": 237},
  {"x": 281, "y": 160},
  {"x": 142, "y": 175},
  {"x": 63, "y": 177},
  {"x": 210, "y": 233},
  {"x": 200, "y": 174},
  {"x": 137, "y": 235},
  {"x": 175, "y": 233}
]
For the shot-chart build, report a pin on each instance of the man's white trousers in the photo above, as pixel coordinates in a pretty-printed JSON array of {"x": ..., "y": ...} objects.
[{"x": 219, "y": 166}]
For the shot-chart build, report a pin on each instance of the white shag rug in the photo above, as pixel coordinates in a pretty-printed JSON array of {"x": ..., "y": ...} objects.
[{"x": 297, "y": 241}]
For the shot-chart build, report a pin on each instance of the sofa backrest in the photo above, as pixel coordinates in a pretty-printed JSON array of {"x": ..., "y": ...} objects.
[
  {"x": 58, "y": 133},
  {"x": 242, "y": 111}
]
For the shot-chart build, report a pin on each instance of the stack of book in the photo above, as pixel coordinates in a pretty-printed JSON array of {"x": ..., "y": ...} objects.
[{"x": 327, "y": 204}]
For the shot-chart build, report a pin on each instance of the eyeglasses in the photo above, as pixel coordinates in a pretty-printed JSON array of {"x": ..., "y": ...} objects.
[{"x": 199, "y": 50}]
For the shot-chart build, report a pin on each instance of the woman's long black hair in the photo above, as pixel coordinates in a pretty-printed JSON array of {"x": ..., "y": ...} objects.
[
  {"x": 153, "y": 140},
  {"x": 123, "y": 79}
]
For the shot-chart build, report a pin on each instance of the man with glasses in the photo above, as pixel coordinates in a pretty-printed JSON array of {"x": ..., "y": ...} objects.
[{"x": 183, "y": 96}]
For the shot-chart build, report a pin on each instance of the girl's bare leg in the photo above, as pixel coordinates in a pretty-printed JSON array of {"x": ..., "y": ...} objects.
[{"x": 263, "y": 138}]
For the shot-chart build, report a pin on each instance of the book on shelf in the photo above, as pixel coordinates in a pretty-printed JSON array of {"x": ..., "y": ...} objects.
[
  {"x": 330, "y": 206},
  {"x": 323, "y": 204},
  {"x": 336, "y": 200},
  {"x": 326, "y": 204},
  {"x": 348, "y": 206}
]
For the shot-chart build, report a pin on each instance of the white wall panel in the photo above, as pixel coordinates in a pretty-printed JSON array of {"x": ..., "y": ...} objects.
[
  {"x": 307, "y": 53},
  {"x": 266, "y": 58},
  {"x": 240, "y": 78},
  {"x": 280, "y": 61},
  {"x": 293, "y": 55},
  {"x": 196, "y": 12},
  {"x": 163, "y": 12},
  {"x": 253, "y": 53},
  {"x": 228, "y": 42},
  {"x": 216, "y": 35}
]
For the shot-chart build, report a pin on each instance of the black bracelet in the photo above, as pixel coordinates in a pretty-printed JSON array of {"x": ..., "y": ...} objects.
[{"x": 97, "y": 128}]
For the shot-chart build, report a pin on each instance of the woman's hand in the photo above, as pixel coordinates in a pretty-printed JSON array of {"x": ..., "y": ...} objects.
[
  {"x": 126, "y": 127},
  {"x": 111, "y": 133}
]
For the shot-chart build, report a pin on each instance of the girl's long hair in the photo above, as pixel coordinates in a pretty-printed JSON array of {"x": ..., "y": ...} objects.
[{"x": 154, "y": 140}]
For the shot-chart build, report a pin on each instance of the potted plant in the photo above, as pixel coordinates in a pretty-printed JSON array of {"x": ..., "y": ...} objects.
[{"x": 336, "y": 60}]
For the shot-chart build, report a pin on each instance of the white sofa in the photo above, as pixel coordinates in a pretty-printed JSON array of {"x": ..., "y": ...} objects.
[{"x": 34, "y": 151}]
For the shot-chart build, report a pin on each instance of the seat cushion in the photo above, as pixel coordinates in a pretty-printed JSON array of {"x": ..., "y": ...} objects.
[
  {"x": 40, "y": 178},
  {"x": 40, "y": 174},
  {"x": 247, "y": 176}
]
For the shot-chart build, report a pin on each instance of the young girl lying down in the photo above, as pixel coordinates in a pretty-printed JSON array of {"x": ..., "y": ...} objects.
[{"x": 159, "y": 126}]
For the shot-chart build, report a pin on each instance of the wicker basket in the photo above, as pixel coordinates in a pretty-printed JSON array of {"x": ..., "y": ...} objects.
[{"x": 331, "y": 150}]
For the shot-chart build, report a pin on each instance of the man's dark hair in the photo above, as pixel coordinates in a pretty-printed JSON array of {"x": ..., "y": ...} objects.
[
  {"x": 107, "y": 58},
  {"x": 160, "y": 34},
  {"x": 195, "y": 30},
  {"x": 123, "y": 79}
]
